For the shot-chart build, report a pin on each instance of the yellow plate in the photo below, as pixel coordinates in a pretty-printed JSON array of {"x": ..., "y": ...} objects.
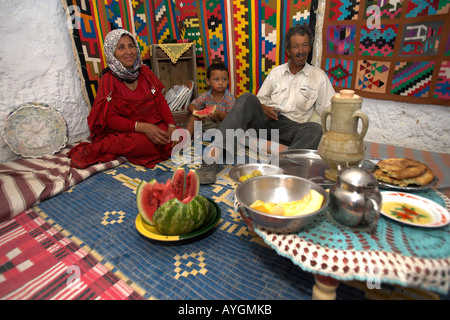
[{"x": 150, "y": 232}]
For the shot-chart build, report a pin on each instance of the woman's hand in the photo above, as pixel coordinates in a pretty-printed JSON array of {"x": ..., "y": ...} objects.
[
  {"x": 170, "y": 130},
  {"x": 154, "y": 133},
  {"x": 270, "y": 112}
]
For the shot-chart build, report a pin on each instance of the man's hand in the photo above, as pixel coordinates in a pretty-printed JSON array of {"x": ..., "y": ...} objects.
[{"x": 270, "y": 112}]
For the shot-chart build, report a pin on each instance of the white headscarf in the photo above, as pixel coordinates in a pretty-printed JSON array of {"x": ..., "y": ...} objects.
[{"x": 114, "y": 64}]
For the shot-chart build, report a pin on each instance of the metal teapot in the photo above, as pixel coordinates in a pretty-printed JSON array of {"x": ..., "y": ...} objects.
[{"x": 355, "y": 200}]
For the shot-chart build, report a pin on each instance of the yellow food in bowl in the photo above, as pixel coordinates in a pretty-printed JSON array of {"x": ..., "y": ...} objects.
[
  {"x": 310, "y": 203},
  {"x": 255, "y": 173}
]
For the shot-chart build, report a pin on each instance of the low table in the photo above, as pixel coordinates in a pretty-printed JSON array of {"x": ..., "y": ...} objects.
[{"x": 392, "y": 252}]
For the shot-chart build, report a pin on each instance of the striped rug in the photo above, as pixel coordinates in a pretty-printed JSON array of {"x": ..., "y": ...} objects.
[{"x": 38, "y": 262}]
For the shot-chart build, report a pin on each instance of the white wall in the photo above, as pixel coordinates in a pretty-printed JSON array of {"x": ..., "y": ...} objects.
[
  {"x": 37, "y": 64},
  {"x": 417, "y": 126}
]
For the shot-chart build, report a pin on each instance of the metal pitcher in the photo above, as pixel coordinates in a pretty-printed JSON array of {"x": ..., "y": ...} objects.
[{"x": 355, "y": 200}]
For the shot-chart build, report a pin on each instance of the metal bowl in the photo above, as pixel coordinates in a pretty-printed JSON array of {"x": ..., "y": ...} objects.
[
  {"x": 243, "y": 169},
  {"x": 277, "y": 188}
]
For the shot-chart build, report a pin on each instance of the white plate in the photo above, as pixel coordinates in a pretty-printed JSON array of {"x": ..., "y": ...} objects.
[{"x": 413, "y": 210}]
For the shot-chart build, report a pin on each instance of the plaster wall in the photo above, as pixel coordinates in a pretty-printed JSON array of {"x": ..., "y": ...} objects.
[{"x": 37, "y": 64}]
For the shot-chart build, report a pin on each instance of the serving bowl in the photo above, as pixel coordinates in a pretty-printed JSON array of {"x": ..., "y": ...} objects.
[
  {"x": 275, "y": 188},
  {"x": 243, "y": 169}
]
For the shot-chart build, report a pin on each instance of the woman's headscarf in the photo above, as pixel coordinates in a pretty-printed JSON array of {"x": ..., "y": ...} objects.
[{"x": 114, "y": 64}]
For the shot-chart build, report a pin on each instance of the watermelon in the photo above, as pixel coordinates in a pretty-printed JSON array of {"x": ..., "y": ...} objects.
[
  {"x": 176, "y": 204},
  {"x": 204, "y": 112},
  {"x": 177, "y": 218}
]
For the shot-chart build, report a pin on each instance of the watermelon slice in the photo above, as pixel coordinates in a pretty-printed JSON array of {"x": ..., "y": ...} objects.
[
  {"x": 178, "y": 183},
  {"x": 192, "y": 186},
  {"x": 149, "y": 196},
  {"x": 152, "y": 195},
  {"x": 204, "y": 112}
]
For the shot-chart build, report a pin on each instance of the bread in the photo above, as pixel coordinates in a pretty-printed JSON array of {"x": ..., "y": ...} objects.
[
  {"x": 426, "y": 178},
  {"x": 383, "y": 177},
  {"x": 401, "y": 168},
  {"x": 403, "y": 172}
]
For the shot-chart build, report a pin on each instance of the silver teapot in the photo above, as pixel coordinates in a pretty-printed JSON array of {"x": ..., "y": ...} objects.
[{"x": 355, "y": 200}]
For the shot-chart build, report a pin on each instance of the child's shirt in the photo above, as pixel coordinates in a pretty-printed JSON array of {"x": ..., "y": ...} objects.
[{"x": 207, "y": 100}]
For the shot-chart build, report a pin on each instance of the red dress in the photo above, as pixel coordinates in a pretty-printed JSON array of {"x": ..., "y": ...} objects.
[{"x": 112, "y": 122}]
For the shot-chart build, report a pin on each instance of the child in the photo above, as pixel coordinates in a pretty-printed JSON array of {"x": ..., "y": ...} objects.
[{"x": 217, "y": 78}]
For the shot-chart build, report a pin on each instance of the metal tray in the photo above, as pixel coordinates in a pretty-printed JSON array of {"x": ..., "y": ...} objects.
[{"x": 306, "y": 164}]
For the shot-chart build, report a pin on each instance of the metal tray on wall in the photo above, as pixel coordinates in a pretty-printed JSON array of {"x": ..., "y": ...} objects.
[{"x": 306, "y": 164}]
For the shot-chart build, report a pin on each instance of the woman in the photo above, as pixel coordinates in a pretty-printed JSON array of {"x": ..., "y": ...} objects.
[{"x": 130, "y": 116}]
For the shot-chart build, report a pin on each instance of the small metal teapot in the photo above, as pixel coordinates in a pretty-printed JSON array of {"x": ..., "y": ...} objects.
[{"x": 355, "y": 201}]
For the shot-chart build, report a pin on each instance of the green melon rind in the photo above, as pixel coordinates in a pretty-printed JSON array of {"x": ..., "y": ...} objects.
[
  {"x": 177, "y": 218},
  {"x": 192, "y": 214}
]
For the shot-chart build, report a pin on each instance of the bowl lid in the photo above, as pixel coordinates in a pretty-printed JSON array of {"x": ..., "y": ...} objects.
[{"x": 357, "y": 177}]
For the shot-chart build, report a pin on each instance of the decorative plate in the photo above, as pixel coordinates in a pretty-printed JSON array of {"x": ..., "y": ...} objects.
[
  {"x": 34, "y": 130},
  {"x": 150, "y": 232},
  {"x": 413, "y": 210}
]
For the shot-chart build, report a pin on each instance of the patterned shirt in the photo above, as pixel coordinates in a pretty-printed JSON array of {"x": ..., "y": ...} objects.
[{"x": 207, "y": 100}]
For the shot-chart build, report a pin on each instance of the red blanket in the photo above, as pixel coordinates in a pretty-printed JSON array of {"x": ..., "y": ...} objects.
[{"x": 37, "y": 262}]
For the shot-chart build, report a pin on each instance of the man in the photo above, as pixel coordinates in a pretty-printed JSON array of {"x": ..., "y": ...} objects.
[{"x": 285, "y": 102}]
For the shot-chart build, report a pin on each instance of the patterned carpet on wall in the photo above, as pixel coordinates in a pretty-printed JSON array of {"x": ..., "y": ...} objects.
[
  {"x": 247, "y": 36},
  {"x": 394, "y": 50}
]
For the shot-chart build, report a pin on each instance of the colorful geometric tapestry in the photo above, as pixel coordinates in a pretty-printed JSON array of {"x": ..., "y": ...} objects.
[
  {"x": 248, "y": 36},
  {"x": 389, "y": 49}
]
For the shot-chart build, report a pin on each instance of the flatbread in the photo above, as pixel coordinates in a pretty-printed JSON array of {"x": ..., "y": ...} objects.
[
  {"x": 383, "y": 177},
  {"x": 422, "y": 180},
  {"x": 403, "y": 172},
  {"x": 401, "y": 168}
]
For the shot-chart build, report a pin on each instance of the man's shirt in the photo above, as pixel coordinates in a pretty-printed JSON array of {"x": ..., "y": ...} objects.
[{"x": 297, "y": 95}]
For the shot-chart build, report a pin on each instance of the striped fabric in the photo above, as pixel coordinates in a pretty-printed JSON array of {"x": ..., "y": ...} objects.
[
  {"x": 37, "y": 262},
  {"x": 25, "y": 182}
]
